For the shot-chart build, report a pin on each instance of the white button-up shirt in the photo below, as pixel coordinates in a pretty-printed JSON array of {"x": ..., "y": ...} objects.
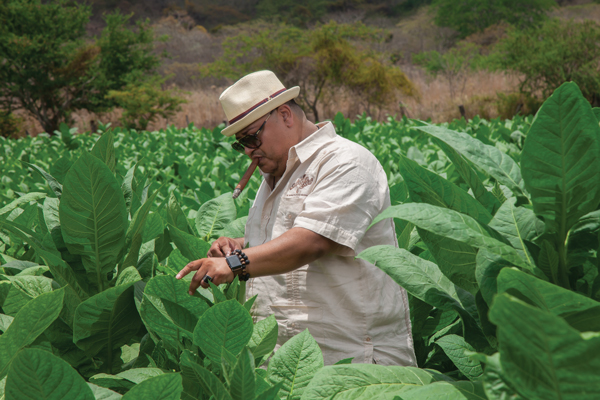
[{"x": 333, "y": 187}]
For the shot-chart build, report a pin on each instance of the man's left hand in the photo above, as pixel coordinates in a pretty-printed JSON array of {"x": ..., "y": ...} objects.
[{"x": 216, "y": 268}]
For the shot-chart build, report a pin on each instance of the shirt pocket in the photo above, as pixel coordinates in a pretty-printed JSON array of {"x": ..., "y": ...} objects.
[{"x": 289, "y": 208}]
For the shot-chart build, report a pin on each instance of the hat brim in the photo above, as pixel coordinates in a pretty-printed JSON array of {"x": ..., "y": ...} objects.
[{"x": 261, "y": 110}]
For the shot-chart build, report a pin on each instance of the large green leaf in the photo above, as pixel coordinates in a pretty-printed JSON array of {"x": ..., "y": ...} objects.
[
  {"x": 446, "y": 390},
  {"x": 486, "y": 198},
  {"x": 169, "y": 311},
  {"x": 25, "y": 288},
  {"x": 32, "y": 196},
  {"x": 215, "y": 215},
  {"x": 517, "y": 225},
  {"x": 295, "y": 364},
  {"x": 457, "y": 350},
  {"x": 61, "y": 271},
  {"x": 104, "y": 149},
  {"x": 39, "y": 375},
  {"x": 93, "y": 217},
  {"x": 235, "y": 229},
  {"x": 106, "y": 321},
  {"x": 494, "y": 380},
  {"x": 367, "y": 381},
  {"x": 424, "y": 280},
  {"x": 132, "y": 187},
  {"x": 581, "y": 312},
  {"x": 561, "y": 159},
  {"x": 264, "y": 337},
  {"x": 161, "y": 387},
  {"x": 455, "y": 259},
  {"x": 194, "y": 373},
  {"x": 485, "y": 157},
  {"x": 176, "y": 217},
  {"x": 33, "y": 319},
  {"x": 425, "y": 186},
  {"x": 542, "y": 356},
  {"x": 133, "y": 238},
  {"x": 225, "y": 325},
  {"x": 457, "y": 226},
  {"x": 190, "y": 246},
  {"x": 101, "y": 393},
  {"x": 243, "y": 381}
]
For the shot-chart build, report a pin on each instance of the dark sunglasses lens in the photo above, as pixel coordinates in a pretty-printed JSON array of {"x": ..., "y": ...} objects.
[
  {"x": 252, "y": 142},
  {"x": 238, "y": 147}
]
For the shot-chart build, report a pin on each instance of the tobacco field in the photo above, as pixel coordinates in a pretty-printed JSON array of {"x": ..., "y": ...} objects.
[{"x": 498, "y": 224}]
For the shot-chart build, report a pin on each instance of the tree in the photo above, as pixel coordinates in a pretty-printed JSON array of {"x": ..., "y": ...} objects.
[
  {"x": 546, "y": 57},
  {"x": 470, "y": 16},
  {"x": 143, "y": 103},
  {"x": 320, "y": 60},
  {"x": 454, "y": 65},
  {"x": 44, "y": 63},
  {"x": 49, "y": 69}
]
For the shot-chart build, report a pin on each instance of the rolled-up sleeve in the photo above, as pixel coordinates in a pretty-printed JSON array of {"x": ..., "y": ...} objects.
[{"x": 343, "y": 203}]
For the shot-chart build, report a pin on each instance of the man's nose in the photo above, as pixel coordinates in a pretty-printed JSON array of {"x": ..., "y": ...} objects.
[{"x": 248, "y": 151}]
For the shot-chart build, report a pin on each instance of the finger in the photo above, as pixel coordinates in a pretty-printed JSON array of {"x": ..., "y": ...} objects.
[
  {"x": 215, "y": 250},
  {"x": 205, "y": 281},
  {"x": 191, "y": 266},
  {"x": 197, "y": 279},
  {"x": 226, "y": 249}
]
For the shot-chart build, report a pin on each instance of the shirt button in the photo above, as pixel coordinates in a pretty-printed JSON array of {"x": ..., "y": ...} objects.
[
  {"x": 368, "y": 339},
  {"x": 289, "y": 216}
]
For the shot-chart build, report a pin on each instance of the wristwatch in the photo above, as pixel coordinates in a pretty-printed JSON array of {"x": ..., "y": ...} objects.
[{"x": 238, "y": 261}]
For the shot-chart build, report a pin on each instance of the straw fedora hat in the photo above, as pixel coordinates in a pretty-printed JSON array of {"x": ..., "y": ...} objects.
[{"x": 252, "y": 97}]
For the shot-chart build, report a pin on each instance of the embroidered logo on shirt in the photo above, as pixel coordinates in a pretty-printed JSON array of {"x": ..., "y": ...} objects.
[{"x": 301, "y": 183}]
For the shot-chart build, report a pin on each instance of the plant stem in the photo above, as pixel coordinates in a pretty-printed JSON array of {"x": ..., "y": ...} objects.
[{"x": 241, "y": 294}]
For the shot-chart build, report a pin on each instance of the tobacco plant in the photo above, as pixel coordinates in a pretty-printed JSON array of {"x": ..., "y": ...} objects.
[{"x": 498, "y": 231}]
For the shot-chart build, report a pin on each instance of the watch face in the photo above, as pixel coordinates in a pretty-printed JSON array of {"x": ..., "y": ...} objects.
[{"x": 234, "y": 262}]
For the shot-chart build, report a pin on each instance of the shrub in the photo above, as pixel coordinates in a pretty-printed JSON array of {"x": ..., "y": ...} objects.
[
  {"x": 48, "y": 69},
  {"x": 558, "y": 51},
  {"x": 454, "y": 65},
  {"x": 143, "y": 103},
  {"x": 511, "y": 104},
  {"x": 318, "y": 60},
  {"x": 10, "y": 124},
  {"x": 470, "y": 16}
]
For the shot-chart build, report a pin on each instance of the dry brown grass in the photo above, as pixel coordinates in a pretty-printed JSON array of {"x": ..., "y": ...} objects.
[{"x": 435, "y": 103}]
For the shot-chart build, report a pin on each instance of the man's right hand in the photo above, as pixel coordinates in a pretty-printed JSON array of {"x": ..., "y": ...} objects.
[{"x": 223, "y": 246}]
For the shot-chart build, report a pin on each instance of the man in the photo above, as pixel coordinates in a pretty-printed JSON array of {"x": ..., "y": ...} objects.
[{"x": 310, "y": 218}]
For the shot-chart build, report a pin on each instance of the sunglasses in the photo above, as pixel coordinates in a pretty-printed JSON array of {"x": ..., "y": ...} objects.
[{"x": 249, "y": 141}]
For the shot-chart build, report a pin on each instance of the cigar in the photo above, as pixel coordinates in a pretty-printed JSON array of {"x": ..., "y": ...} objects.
[{"x": 246, "y": 178}]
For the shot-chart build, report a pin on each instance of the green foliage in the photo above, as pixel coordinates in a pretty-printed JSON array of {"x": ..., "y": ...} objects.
[
  {"x": 321, "y": 61},
  {"x": 292, "y": 12},
  {"x": 125, "y": 59},
  {"x": 10, "y": 125},
  {"x": 470, "y": 16},
  {"x": 144, "y": 103},
  {"x": 512, "y": 104},
  {"x": 556, "y": 52},
  {"x": 502, "y": 268},
  {"x": 454, "y": 65},
  {"x": 45, "y": 64},
  {"x": 49, "y": 69},
  {"x": 37, "y": 374}
]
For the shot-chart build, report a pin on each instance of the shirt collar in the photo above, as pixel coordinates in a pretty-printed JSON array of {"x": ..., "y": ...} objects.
[{"x": 306, "y": 148}]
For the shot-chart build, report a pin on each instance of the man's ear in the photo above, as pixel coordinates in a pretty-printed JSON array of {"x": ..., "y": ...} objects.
[{"x": 286, "y": 114}]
